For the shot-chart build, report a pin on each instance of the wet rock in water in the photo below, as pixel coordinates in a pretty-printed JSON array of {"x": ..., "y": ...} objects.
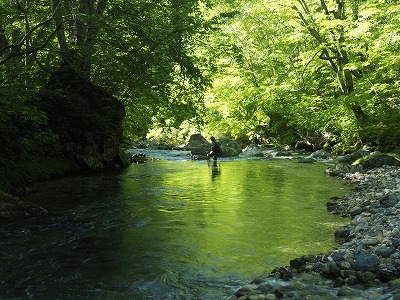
[
  {"x": 229, "y": 147},
  {"x": 342, "y": 235},
  {"x": 389, "y": 200},
  {"x": 86, "y": 119},
  {"x": 139, "y": 158},
  {"x": 297, "y": 263},
  {"x": 321, "y": 154},
  {"x": 198, "y": 145},
  {"x": 365, "y": 277},
  {"x": 346, "y": 291},
  {"x": 355, "y": 211},
  {"x": 245, "y": 291},
  {"x": 253, "y": 150}
]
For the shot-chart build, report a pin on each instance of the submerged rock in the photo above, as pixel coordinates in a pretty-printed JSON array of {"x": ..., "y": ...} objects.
[{"x": 12, "y": 208}]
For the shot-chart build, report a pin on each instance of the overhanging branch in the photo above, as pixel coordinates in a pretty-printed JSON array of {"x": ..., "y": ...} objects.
[{"x": 31, "y": 49}]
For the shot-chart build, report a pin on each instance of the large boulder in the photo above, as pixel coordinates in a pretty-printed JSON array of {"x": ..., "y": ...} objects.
[
  {"x": 304, "y": 145},
  {"x": 86, "y": 119},
  {"x": 377, "y": 160},
  {"x": 198, "y": 145},
  {"x": 230, "y": 147}
]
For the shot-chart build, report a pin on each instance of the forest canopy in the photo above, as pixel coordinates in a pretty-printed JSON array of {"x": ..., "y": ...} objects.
[{"x": 259, "y": 71}]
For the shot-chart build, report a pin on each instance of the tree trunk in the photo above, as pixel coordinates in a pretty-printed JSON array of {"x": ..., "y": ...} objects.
[
  {"x": 336, "y": 56},
  {"x": 58, "y": 21}
]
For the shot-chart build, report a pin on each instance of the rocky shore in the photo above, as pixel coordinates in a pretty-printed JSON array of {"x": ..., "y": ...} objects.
[{"x": 366, "y": 265}]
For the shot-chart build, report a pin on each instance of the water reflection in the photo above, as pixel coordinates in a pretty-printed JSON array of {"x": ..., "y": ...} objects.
[
  {"x": 215, "y": 168},
  {"x": 164, "y": 230}
]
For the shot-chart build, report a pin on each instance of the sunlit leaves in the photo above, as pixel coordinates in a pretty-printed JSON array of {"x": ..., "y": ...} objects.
[{"x": 291, "y": 59}]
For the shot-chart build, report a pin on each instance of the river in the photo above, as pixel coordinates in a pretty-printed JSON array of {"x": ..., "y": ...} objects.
[{"x": 168, "y": 229}]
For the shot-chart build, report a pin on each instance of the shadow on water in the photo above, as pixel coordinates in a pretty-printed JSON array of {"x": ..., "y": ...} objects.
[{"x": 170, "y": 229}]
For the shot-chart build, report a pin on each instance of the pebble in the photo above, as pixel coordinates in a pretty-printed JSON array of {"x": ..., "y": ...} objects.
[{"x": 366, "y": 264}]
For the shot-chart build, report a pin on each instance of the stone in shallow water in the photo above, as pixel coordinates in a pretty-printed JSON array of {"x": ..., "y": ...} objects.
[
  {"x": 345, "y": 291},
  {"x": 365, "y": 276}
]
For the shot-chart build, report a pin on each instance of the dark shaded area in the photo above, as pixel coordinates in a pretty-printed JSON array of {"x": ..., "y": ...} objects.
[
  {"x": 72, "y": 126},
  {"x": 86, "y": 118}
]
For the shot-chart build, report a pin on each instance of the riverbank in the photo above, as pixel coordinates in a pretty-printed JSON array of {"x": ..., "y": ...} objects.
[
  {"x": 366, "y": 265},
  {"x": 17, "y": 177}
]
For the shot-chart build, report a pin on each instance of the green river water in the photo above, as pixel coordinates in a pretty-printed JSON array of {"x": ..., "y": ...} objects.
[{"x": 168, "y": 229}]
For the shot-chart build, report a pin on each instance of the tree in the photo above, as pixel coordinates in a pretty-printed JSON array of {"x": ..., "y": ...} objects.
[{"x": 300, "y": 69}]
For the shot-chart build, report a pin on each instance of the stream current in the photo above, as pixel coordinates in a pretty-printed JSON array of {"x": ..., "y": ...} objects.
[{"x": 168, "y": 229}]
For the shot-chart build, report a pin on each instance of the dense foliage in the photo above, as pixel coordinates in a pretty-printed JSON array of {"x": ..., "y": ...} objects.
[
  {"x": 325, "y": 71},
  {"x": 138, "y": 50},
  {"x": 271, "y": 71}
]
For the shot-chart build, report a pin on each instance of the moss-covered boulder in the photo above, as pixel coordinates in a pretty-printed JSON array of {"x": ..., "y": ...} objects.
[
  {"x": 377, "y": 160},
  {"x": 198, "y": 145},
  {"x": 86, "y": 118}
]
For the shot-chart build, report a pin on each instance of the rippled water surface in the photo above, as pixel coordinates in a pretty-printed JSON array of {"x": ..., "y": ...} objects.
[{"x": 168, "y": 229}]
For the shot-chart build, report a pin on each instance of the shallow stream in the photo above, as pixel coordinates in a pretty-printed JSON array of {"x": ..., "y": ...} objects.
[{"x": 168, "y": 229}]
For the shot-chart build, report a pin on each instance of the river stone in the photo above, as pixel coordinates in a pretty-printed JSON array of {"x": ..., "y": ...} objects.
[
  {"x": 304, "y": 145},
  {"x": 345, "y": 291},
  {"x": 394, "y": 284},
  {"x": 365, "y": 276},
  {"x": 321, "y": 154},
  {"x": 337, "y": 255},
  {"x": 342, "y": 235},
  {"x": 84, "y": 117},
  {"x": 369, "y": 241},
  {"x": 367, "y": 262},
  {"x": 350, "y": 158},
  {"x": 330, "y": 269},
  {"x": 384, "y": 251},
  {"x": 246, "y": 290},
  {"x": 396, "y": 296},
  {"x": 297, "y": 263},
  {"x": 229, "y": 147},
  {"x": 355, "y": 211},
  {"x": 389, "y": 200},
  {"x": 378, "y": 160},
  {"x": 198, "y": 145}
]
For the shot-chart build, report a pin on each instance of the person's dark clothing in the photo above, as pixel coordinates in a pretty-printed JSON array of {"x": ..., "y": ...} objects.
[{"x": 215, "y": 150}]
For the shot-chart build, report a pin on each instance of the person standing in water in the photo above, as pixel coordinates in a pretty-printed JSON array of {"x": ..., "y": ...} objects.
[{"x": 215, "y": 149}]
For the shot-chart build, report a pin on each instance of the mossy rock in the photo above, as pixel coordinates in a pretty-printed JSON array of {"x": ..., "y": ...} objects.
[
  {"x": 86, "y": 118},
  {"x": 377, "y": 160}
]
